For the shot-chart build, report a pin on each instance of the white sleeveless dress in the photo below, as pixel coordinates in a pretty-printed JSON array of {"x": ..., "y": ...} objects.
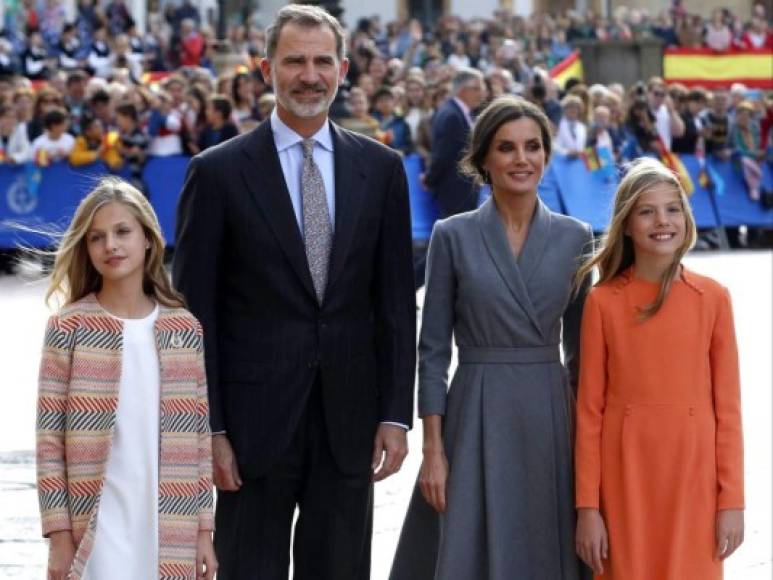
[{"x": 126, "y": 539}]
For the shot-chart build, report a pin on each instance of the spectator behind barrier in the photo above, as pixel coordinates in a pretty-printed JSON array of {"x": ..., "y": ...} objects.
[
  {"x": 395, "y": 130},
  {"x": 690, "y": 108},
  {"x": 219, "y": 127},
  {"x": 663, "y": 112},
  {"x": 55, "y": 144},
  {"x": 95, "y": 144},
  {"x": 745, "y": 141},
  {"x": 640, "y": 126},
  {"x": 716, "y": 126},
  {"x": 14, "y": 144},
  {"x": 572, "y": 132},
  {"x": 360, "y": 120},
  {"x": 134, "y": 143},
  {"x": 35, "y": 61},
  {"x": 164, "y": 126}
]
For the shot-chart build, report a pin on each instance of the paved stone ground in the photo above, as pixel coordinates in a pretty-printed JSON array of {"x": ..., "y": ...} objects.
[{"x": 22, "y": 318}]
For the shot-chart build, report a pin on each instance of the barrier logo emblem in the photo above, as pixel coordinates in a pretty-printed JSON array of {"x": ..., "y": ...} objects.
[{"x": 20, "y": 199}]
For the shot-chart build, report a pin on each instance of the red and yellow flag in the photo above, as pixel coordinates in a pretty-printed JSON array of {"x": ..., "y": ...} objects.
[
  {"x": 710, "y": 69},
  {"x": 570, "y": 67}
]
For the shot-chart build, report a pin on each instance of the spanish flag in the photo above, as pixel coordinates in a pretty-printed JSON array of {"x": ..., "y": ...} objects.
[
  {"x": 710, "y": 69},
  {"x": 570, "y": 67}
]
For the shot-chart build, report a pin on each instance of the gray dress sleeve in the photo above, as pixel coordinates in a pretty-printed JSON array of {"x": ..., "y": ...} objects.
[
  {"x": 572, "y": 317},
  {"x": 437, "y": 325}
]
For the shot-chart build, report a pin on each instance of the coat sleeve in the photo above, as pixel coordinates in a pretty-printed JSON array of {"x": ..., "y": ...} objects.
[
  {"x": 200, "y": 216},
  {"x": 395, "y": 303},
  {"x": 591, "y": 401},
  {"x": 572, "y": 318},
  {"x": 205, "y": 503},
  {"x": 53, "y": 389},
  {"x": 727, "y": 408},
  {"x": 437, "y": 325}
]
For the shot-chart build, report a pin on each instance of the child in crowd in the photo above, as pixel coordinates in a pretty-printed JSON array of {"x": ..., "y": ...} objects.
[
  {"x": 219, "y": 126},
  {"x": 715, "y": 123},
  {"x": 745, "y": 140},
  {"x": 659, "y": 448},
  {"x": 14, "y": 144},
  {"x": 95, "y": 144},
  {"x": 133, "y": 143},
  {"x": 164, "y": 127},
  {"x": 55, "y": 143},
  {"x": 599, "y": 133},
  {"x": 360, "y": 120},
  {"x": 396, "y": 132},
  {"x": 100, "y": 59},
  {"x": 35, "y": 61},
  {"x": 123, "y": 440},
  {"x": 572, "y": 132}
]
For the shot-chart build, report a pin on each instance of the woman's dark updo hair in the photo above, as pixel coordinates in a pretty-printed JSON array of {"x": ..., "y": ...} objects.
[{"x": 500, "y": 111}]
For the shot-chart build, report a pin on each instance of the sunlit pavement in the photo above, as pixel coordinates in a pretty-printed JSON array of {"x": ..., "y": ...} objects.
[{"x": 749, "y": 276}]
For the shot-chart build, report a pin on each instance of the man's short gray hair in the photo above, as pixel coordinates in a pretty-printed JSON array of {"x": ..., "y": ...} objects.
[
  {"x": 306, "y": 16},
  {"x": 463, "y": 77}
]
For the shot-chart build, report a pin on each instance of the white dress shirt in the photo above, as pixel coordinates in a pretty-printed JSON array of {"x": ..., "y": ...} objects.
[{"x": 288, "y": 145}]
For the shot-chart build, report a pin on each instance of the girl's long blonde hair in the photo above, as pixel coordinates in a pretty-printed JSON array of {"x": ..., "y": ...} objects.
[
  {"x": 616, "y": 253},
  {"x": 74, "y": 276}
]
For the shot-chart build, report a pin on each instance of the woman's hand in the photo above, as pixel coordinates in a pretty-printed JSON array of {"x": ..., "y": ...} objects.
[
  {"x": 61, "y": 552},
  {"x": 591, "y": 540},
  {"x": 433, "y": 477},
  {"x": 729, "y": 532},
  {"x": 206, "y": 562}
]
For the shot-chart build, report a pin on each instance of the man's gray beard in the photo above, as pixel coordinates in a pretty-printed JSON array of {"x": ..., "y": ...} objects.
[{"x": 307, "y": 111}]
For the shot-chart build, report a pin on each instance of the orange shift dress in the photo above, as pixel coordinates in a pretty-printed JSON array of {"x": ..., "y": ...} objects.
[{"x": 659, "y": 443}]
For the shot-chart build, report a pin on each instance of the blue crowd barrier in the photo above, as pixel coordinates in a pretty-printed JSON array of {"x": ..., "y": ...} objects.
[{"x": 567, "y": 187}]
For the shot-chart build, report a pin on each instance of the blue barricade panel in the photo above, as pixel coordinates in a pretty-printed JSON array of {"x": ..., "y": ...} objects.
[
  {"x": 549, "y": 191},
  {"x": 734, "y": 206},
  {"x": 701, "y": 199},
  {"x": 586, "y": 195},
  {"x": 164, "y": 177},
  {"x": 46, "y": 199},
  {"x": 423, "y": 210}
]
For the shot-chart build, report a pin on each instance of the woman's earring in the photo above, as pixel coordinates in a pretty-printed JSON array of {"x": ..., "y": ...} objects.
[{"x": 486, "y": 177}]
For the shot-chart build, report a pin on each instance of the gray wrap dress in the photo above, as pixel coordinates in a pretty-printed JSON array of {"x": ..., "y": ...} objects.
[{"x": 508, "y": 425}]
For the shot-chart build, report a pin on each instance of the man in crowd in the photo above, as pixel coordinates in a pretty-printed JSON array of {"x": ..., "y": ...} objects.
[{"x": 453, "y": 192}]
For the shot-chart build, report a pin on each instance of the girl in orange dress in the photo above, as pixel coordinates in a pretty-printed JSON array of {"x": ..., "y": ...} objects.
[{"x": 659, "y": 450}]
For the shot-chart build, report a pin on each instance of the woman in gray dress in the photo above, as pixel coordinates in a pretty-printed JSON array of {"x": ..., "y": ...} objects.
[{"x": 494, "y": 499}]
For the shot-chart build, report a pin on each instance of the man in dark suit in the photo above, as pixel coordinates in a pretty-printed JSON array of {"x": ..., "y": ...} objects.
[
  {"x": 294, "y": 251},
  {"x": 452, "y": 191}
]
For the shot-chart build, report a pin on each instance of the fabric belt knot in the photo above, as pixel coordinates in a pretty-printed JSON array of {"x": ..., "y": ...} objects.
[
  {"x": 317, "y": 226},
  {"x": 509, "y": 355}
]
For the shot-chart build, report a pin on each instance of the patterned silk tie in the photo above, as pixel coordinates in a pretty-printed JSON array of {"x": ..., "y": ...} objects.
[{"x": 317, "y": 227}]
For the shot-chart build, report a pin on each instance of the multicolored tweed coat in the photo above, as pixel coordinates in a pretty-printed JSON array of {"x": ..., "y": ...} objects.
[{"x": 80, "y": 375}]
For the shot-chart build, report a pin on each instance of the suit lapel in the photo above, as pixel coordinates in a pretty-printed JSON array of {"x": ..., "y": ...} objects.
[
  {"x": 263, "y": 177},
  {"x": 348, "y": 196},
  {"x": 495, "y": 238},
  {"x": 536, "y": 242}
]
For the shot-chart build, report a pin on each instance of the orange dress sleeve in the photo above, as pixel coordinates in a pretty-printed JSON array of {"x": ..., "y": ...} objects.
[
  {"x": 591, "y": 400},
  {"x": 727, "y": 407}
]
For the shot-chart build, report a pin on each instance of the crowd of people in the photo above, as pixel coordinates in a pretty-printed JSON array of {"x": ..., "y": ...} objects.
[{"x": 81, "y": 90}]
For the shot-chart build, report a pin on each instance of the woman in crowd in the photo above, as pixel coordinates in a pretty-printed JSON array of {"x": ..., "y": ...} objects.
[
  {"x": 494, "y": 497},
  {"x": 122, "y": 421},
  {"x": 659, "y": 451},
  {"x": 245, "y": 114}
]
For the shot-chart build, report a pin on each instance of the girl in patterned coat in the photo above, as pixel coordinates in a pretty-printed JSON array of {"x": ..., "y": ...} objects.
[{"x": 123, "y": 441}]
